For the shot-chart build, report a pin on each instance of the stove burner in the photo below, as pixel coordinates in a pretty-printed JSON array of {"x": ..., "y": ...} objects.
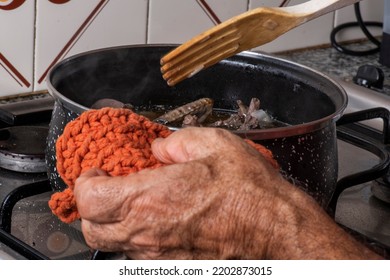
[{"x": 22, "y": 148}]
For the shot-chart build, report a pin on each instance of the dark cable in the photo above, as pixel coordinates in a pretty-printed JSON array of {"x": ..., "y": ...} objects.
[{"x": 363, "y": 26}]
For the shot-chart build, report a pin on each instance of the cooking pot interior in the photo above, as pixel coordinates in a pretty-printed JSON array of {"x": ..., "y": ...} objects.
[{"x": 288, "y": 91}]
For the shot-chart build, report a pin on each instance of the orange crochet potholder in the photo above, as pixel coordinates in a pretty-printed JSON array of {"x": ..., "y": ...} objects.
[{"x": 115, "y": 140}]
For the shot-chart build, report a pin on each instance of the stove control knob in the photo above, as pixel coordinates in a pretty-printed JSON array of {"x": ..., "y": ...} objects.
[{"x": 369, "y": 76}]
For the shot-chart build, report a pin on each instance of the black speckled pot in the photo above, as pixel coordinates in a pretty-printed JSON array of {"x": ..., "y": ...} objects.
[{"x": 302, "y": 97}]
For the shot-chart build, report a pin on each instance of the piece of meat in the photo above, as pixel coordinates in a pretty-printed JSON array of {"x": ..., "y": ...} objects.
[
  {"x": 191, "y": 120},
  {"x": 201, "y": 108},
  {"x": 251, "y": 121}
]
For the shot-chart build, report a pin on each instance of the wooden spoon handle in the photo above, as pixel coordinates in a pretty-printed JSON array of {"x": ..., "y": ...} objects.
[{"x": 317, "y": 8}]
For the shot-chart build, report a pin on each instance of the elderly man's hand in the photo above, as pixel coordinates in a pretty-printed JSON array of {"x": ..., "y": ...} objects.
[{"x": 218, "y": 198}]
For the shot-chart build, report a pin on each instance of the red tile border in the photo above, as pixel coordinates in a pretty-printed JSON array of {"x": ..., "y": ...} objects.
[
  {"x": 209, "y": 11},
  {"x": 15, "y": 74},
  {"x": 75, "y": 37}
]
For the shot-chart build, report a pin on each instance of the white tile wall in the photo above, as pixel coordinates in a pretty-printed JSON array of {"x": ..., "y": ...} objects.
[
  {"x": 36, "y": 34},
  {"x": 175, "y": 21},
  {"x": 77, "y": 26}
]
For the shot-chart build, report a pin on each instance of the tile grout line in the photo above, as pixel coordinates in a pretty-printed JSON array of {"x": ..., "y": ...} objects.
[
  {"x": 34, "y": 46},
  {"x": 147, "y": 22}
]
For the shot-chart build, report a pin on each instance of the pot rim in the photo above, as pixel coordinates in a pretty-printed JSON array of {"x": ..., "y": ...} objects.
[{"x": 254, "y": 134}]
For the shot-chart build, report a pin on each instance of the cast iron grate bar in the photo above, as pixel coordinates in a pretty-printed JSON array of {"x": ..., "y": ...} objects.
[
  {"x": 6, "y": 215},
  {"x": 20, "y": 247},
  {"x": 17, "y": 194},
  {"x": 350, "y": 130}
]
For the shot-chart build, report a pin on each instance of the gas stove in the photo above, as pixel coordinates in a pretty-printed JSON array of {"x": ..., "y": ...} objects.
[{"x": 361, "y": 204}]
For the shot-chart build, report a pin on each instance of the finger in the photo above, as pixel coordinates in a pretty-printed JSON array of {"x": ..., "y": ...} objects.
[
  {"x": 93, "y": 172},
  {"x": 104, "y": 237},
  {"x": 136, "y": 242},
  {"x": 100, "y": 198},
  {"x": 105, "y": 199}
]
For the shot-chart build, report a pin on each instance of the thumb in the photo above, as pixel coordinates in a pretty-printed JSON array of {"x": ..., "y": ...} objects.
[
  {"x": 184, "y": 145},
  {"x": 90, "y": 173}
]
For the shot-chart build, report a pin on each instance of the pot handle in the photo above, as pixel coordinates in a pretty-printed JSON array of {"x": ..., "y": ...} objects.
[
  {"x": 369, "y": 114},
  {"x": 349, "y": 130}
]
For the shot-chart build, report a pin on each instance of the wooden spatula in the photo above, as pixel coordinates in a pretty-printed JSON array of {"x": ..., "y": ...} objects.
[{"x": 243, "y": 32}]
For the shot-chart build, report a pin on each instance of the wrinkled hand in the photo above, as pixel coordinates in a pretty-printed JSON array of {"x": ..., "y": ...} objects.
[
  {"x": 182, "y": 210},
  {"x": 217, "y": 199}
]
